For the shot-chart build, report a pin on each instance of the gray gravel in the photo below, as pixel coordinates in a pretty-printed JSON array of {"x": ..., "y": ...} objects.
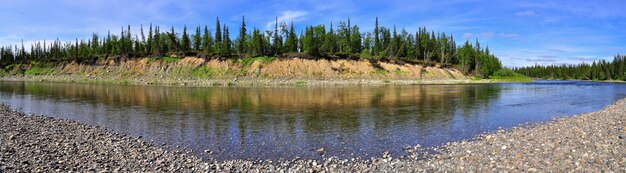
[
  {"x": 42, "y": 144},
  {"x": 592, "y": 142}
]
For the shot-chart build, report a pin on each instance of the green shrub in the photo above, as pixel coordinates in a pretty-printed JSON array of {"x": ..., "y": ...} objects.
[
  {"x": 245, "y": 62},
  {"x": 168, "y": 59},
  {"x": 3, "y": 73},
  {"x": 165, "y": 59},
  {"x": 39, "y": 71},
  {"x": 301, "y": 83},
  {"x": 380, "y": 71},
  {"x": 401, "y": 72},
  {"x": 509, "y": 75},
  {"x": 506, "y": 73},
  {"x": 202, "y": 72}
]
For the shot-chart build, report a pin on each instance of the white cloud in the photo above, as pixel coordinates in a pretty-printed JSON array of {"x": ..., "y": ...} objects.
[
  {"x": 468, "y": 35},
  {"x": 487, "y": 34},
  {"x": 287, "y": 16},
  {"x": 528, "y": 13},
  {"x": 508, "y": 35}
]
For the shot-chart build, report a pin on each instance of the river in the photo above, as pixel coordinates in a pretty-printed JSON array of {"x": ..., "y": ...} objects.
[{"x": 290, "y": 122}]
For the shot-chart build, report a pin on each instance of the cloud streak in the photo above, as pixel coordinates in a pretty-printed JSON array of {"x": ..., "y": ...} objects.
[
  {"x": 528, "y": 13},
  {"x": 285, "y": 17}
]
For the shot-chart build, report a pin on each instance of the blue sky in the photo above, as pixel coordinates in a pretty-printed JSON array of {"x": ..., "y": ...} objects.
[{"x": 518, "y": 32}]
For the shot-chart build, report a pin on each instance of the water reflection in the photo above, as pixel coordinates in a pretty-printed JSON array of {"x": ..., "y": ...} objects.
[{"x": 268, "y": 123}]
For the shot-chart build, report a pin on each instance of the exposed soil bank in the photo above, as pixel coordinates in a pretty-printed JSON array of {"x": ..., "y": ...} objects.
[
  {"x": 265, "y": 71},
  {"x": 592, "y": 142}
]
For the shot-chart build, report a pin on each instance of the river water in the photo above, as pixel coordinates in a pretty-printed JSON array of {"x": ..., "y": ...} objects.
[{"x": 290, "y": 122}]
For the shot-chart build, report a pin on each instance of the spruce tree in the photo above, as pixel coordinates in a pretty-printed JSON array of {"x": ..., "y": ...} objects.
[
  {"x": 185, "y": 42},
  {"x": 156, "y": 45},
  {"x": 377, "y": 47},
  {"x": 141, "y": 45},
  {"x": 94, "y": 44},
  {"x": 197, "y": 40},
  {"x": 292, "y": 39},
  {"x": 207, "y": 41},
  {"x": 277, "y": 42},
  {"x": 227, "y": 49},
  {"x": 257, "y": 42},
  {"x": 355, "y": 40},
  {"x": 241, "y": 40},
  {"x": 218, "y": 36},
  {"x": 149, "y": 41},
  {"x": 393, "y": 46}
]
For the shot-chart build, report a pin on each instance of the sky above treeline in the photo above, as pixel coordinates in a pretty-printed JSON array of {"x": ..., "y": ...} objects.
[{"x": 520, "y": 33}]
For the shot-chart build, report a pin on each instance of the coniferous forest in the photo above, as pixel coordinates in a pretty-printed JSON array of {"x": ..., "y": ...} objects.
[
  {"x": 341, "y": 41},
  {"x": 600, "y": 70}
]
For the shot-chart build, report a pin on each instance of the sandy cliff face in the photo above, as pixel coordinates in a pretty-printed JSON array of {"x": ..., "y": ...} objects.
[{"x": 197, "y": 68}]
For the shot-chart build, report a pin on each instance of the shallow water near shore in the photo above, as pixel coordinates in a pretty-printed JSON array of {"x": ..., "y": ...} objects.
[{"x": 289, "y": 122}]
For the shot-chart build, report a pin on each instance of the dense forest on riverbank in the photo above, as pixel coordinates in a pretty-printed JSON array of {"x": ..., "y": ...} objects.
[
  {"x": 600, "y": 70},
  {"x": 344, "y": 41}
]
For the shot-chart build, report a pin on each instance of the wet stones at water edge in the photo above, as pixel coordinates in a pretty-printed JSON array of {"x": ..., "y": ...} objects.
[{"x": 41, "y": 144}]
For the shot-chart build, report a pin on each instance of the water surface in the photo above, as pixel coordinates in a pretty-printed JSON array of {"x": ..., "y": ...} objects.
[{"x": 289, "y": 122}]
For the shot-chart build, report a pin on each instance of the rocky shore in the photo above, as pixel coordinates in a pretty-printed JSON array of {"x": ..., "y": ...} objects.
[
  {"x": 250, "y": 82},
  {"x": 592, "y": 142}
]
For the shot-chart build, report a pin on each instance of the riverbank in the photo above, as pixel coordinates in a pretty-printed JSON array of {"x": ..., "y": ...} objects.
[
  {"x": 249, "y": 82},
  {"x": 261, "y": 71},
  {"x": 592, "y": 142}
]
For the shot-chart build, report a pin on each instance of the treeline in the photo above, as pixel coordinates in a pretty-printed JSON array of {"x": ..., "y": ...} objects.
[
  {"x": 344, "y": 41},
  {"x": 600, "y": 70}
]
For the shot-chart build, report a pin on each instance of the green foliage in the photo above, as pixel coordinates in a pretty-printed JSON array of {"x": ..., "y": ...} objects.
[
  {"x": 505, "y": 74},
  {"x": 301, "y": 83},
  {"x": 266, "y": 59},
  {"x": 13, "y": 69},
  {"x": 39, "y": 71},
  {"x": 185, "y": 42},
  {"x": 165, "y": 59},
  {"x": 475, "y": 60},
  {"x": 346, "y": 41},
  {"x": 512, "y": 79},
  {"x": 380, "y": 71},
  {"x": 401, "y": 72},
  {"x": 168, "y": 59},
  {"x": 249, "y": 60},
  {"x": 598, "y": 70},
  {"x": 3, "y": 73},
  {"x": 202, "y": 72},
  {"x": 241, "y": 40}
]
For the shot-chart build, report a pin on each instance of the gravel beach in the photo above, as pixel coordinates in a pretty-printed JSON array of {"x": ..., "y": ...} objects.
[{"x": 592, "y": 142}]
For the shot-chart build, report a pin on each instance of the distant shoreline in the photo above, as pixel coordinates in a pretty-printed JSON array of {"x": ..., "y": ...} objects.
[{"x": 603, "y": 81}]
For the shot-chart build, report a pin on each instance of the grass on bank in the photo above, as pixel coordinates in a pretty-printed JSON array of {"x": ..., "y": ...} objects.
[
  {"x": 3, "y": 73},
  {"x": 165, "y": 59},
  {"x": 300, "y": 83},
  {"x": 39, "y": 71},
  {"x": 202, "y": 72},
  {"x": 245, "y": 62},
  {"x": 508, "y": 75}
]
